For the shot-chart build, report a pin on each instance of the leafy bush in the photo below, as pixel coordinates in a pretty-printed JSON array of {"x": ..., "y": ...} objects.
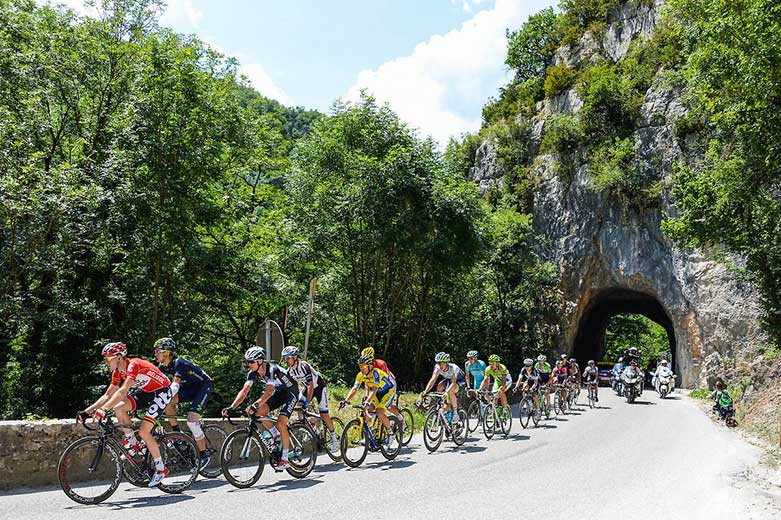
[
  {"x": 562, "y": 134},
  {"x": 610, "y": 105},
  {"x": 559, "y": 79},
  {"x": 531, "y": 48},
  {"x": 514, "y": 99},
  {"x": 581, "y": 15},
  {"x": 700, "y": 393}
]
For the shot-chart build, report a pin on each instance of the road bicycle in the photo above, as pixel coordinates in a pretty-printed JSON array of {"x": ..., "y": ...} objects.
[
  {"x": 214, "y": 435},
  {"x": 312, "y": 421},
  {"x": 246, "y": 450},
  {"x": 497, "y": 414},
  {"x": 408, "y": 426},
  {"x": 592, "y": 394},
  {"x": 436, "y": 426},
  {"x": 476, "y": 410},
  {"x": 367, "y": 433},
  {"x": 91, "y": 468},
  {"x": 545, "y": 408},
  {"x": 527, "y": 410},
  {"x": 573, "y": 392},
  {"x": 559, "y": 402}
]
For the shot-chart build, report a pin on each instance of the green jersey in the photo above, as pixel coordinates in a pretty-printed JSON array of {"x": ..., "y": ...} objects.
[
  {"x": 724, "y": 398},
  {"x": 543, "y": 368}
]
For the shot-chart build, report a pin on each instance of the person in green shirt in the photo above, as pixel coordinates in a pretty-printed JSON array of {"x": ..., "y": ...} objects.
[
  {"x": 723, "y": 400},
  {"x": 502, "y": 379},
  {"x": 544, "y": 368}
]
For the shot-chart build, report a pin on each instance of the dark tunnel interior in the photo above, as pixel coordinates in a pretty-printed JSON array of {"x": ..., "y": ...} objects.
[{"x": 590, "y": 338}]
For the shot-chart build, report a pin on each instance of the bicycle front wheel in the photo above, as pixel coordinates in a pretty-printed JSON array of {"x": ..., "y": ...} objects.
[
  {"x": 460, "y": 427},
  {"x": 303, "y": 450},
  {"x": 354, "y": 443},
  {"x": 335, "y": 455},
  {"x": 524, "y": 413},
  {"x": 473, "y": 416},
  {"x": 242, "y": 458},
  {"x": 391, "y": 440},
  {"x": 489, "y": 421},
  {"x": 505, "y": 418},
  {"x": 215, "y": 436},
  {"x": 433, "y": 431},
  {"x": 89, "y": 470},
  {"x": 409, "y": 426},
  {"x": 182, "y": 460}
]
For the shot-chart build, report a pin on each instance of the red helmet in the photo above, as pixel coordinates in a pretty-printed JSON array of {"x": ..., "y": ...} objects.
[{"x": 114, "y": 349}]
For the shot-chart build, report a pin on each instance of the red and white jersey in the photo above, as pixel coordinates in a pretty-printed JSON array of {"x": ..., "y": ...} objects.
[{"x": 146, "y": 376}]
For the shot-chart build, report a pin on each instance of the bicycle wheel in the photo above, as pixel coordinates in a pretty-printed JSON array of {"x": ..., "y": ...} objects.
[
  {"x": 391, "y": 440},
  {"x": 138, "y": 476},
  {"x": 354, "y": 443},
  {"x": 557, "y": 403},
  {"x": 409, "y": 426},
  {"x": 335, "y": 456},
  {"x": 89, "y": 470},
  {"x": 460, "y": 428},
  {"x": 242, "y": 458},
  {"x": 473, "y": 416},
  {"x": 536, "y": 414},
  {"x": 303, "y": 450},
  {"x": 182, "y": 460},
  {"x": 505, "y": 418},
  {"x": 489, "y": 421},
  {"x": 524, "y": 413},
  {"x": 215, "y": 436},
  {"x": 433, "y": 431}
]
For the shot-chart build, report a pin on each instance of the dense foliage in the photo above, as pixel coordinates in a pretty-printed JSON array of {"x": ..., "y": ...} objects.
[{"x": 635, "y": 330}]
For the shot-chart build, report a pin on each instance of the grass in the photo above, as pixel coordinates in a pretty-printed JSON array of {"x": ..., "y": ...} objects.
[{"x": 700, "y": 393}]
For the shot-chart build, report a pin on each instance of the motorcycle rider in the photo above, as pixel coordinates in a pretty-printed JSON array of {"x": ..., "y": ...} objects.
[
  {"x": 618, "y": 369},
  {"x": 632, "y": 367},
  {"x": 663, "y": 370}
]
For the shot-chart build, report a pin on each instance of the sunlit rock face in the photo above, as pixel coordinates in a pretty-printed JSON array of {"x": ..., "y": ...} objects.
[{"x": 605, "y": 247}]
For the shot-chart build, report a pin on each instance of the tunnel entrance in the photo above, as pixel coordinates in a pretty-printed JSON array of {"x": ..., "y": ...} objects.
[{"x": 590, "y": 338}]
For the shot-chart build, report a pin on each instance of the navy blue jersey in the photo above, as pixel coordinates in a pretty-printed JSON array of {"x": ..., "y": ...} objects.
[
  {"x": 275, "y": 375},
  {"x": 529, "y": 377},
  {"x": 190, "y": 373}
]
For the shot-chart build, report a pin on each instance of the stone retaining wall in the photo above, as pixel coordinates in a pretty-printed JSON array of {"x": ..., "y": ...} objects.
[{"x": 30, "y": 451}]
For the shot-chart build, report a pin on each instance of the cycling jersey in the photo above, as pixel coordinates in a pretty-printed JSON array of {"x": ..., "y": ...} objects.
[
  {"x": 376, "y": 378},
  {"x": 477, "y": 371},
  {"x": 560, "y": 373},
  {"x": 452, "y": 371},
  {"x": 543, "y": 368},
  {"x": 275, "y": 375},
  {"x": 382, "y": 365},
  {"x": 497, "y": 374},
  {"x": 189, "y": 373},
  {"x": 304, "y": 373},
  {"x": 590, "y": 373},
  {"x": 529, "y": 377},
  {"x": 145, "y": 376}
]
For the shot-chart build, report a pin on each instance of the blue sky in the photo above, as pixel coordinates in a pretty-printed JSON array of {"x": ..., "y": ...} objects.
[{"x": 436, "y": 62}]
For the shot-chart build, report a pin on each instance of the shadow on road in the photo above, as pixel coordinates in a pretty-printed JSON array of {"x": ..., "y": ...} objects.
[
  {"x": 466, "y": 449},
  {"x": 547, "y": 426},
  {"x": 518, "y": 437},
  {"x": 297, "y": 483},
  {"x": 153, "y": 501},
  {"x": 603, "y": 408},
  {"x": 201, "y": 486},
  {"x": 645, "y": 402},
  {"x": 391, "y": 464},
  {"x": 330, "y": 468}
]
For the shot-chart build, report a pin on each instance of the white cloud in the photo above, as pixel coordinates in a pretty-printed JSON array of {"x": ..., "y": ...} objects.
[
  {"x": 442, "y": 86},
  {"x": 181, "y": 14},
  {"x": 263, "y": 83}
]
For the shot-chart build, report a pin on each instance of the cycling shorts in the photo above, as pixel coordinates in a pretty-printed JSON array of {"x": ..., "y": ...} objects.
[
  {"x": 460, "y": 381},
  {"x": 155, "y": 403},
  {"x": 196, "y": 396},
  {"x": 544, "y": 378},
  {"x": 561, "y": 378},
  {"x": 283, "y": 399},
  {"x": 507, "y": 385},
  {"x": 320, "y": 393},
  {"x": 382, "y": 400}
]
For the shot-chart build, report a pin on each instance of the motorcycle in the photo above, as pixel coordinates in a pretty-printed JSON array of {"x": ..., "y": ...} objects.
[
  {"x": 630, "y": 381},
  {"x": 615, "y": 382},
  {"x": 665, "y": 383}
]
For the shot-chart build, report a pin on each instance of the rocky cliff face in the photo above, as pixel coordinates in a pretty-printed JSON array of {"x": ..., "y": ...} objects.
[{"x": 604, "y": 248}]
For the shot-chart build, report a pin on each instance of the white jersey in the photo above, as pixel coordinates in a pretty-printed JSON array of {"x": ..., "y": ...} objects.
[
  {"x": 452, "y": 371},
  {"x": 304, "y": 373}
]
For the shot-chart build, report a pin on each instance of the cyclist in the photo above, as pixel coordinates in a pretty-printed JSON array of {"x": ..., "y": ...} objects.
[
  {"x": 543, "y": 367},
  {"x": 154, "y": 394},
  {"x": 280, "y": 392},
  {"x": 501, "y": 377},
  {"x": 314, "y": 387},
  {"x": 474, "y": 369},
  {"x": 453, "y": 377},
  {"x": 382, "y": 365},
  {"x": 561, "y": 376},
  {"x": 574, "y": 369},
  {"x": 530, "y": 378},
  {"x": 591, "y": 375},
  {"x": 189, "y": 384},
  {"x": 378, "y": 383}
]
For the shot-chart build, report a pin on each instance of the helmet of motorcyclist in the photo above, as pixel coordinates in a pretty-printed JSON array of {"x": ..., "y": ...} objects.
[
  {"x": 493, "y": 357},
  {"x": 114, "y": 349},
  {"x": 541, "y": 358},
  {"x": 442, "y": 357},
  {"x": 471, "y": 354},
  {"x": 528, "y": 362},
  {"x": 368, "y": 351},
  {"x": 664, "y": 362},
  {"x": 255, "y": 354},
  {"x": 591, "y": 362}
]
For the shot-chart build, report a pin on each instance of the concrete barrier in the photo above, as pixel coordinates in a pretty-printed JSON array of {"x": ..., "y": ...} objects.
[{"x": 30, "y": 450}]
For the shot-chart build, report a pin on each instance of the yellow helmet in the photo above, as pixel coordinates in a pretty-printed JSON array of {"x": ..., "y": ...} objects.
[{"x": 368, "y": 351}]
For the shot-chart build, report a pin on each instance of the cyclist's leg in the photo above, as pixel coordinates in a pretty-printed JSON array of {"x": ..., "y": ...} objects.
[
  {"x": 197, "y": 406},
  {"x": 380, "y": 403},
  {"x": 158, "y": 403},
  {"x": 170, "y": 413},
  {"x": 285, "y": 409}
]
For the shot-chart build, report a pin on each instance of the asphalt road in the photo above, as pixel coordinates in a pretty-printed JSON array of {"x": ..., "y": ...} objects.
[{"x": 652, "y": 459}]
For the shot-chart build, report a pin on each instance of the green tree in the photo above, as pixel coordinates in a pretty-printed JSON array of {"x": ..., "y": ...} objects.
[{"x": 530, "y": 49}]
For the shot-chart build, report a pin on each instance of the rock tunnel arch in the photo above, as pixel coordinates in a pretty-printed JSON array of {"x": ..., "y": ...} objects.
[{"x": 590, "y": 338}]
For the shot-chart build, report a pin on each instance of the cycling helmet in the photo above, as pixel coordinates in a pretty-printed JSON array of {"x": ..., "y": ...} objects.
[
  {"x": 442, "y": 357},
  {"x": 664, "y": 362},
  {"x": 366, "y": 360},
  {"x": 255, "y": 354},
  {"x": 114, "y": 349},
  {"x": 620, "y": 360},
  {"x": 633, "y": 350},
  {"x": 165, "y": 344},
  {"x": 528, "y": 362},
  {"x": 493, "y": 357},
  {"x": 541, "y": 358},
  {"x": 368, "y": 351},
  {"x": 559, "y": 363},
  {"x": 573, "y": 360},
  {"x": 290, "y": 350},
  {"x": 471, "y": 354},
  {"x": 564, "y": 356},
  {"x": 590, "y": 362}
]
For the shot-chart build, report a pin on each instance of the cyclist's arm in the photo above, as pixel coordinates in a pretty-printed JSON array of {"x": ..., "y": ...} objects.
[
  {"x": 351, "y": 393},
  {"x": 103, "y": 398},
  {"x": 372, "y": 393},
  {"x": 467, "y": 375},
  {"x": 118, "y": 395},
  {"x": 504, "y": 382},
  {"x": 518, "y": 383},
  {"x": 310, "y": 390},
  {"x": 243, "y": 393},
  {"x": 430, "y": 382},
  {"x": 175, "y": 385},
  {"x": 266, "y": 395},
  {"x": 484, "y": 383}
]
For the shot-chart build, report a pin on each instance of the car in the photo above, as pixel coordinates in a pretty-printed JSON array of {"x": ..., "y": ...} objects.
[{"x": 605, "y": 372}]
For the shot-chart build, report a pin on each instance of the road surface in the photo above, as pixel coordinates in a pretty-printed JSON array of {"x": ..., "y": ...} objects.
[{"x": 652, "y": 459}]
